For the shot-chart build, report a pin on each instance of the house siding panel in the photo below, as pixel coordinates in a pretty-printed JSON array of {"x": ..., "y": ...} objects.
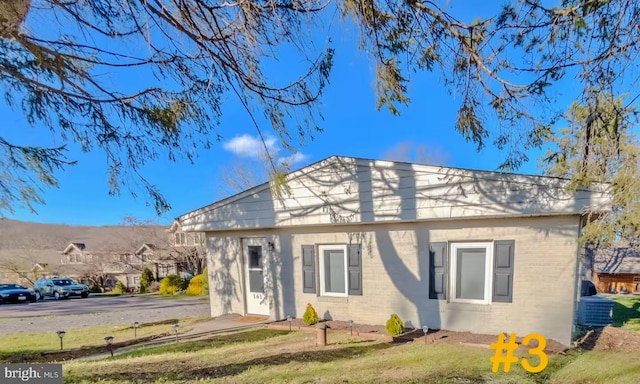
[
  {"x": 395, "y": 274},
  {"x": 226, "y": 278},
  {"x": 366, "y": 191}
]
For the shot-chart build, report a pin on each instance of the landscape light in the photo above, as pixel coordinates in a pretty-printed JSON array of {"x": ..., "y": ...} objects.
[
  {"x": 425, "y": 329},
  {"x": 175, "y": 329},
  {"x": 351, "y": 327},
  {"x": 61, "y": 335},
  {"x": 289, "y": 320},
  {"x": 135, "y": 329},
  {"x": 109, "y": 341}
]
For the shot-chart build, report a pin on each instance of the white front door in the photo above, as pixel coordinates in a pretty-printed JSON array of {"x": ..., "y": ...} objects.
[{"x": 254, "y": 250}]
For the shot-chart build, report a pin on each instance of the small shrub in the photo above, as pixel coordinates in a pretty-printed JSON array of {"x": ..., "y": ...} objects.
[
  {"x": 95, "y": 289},
  {"x": 119, "y": 289},
  {"x": 310, "y": 316},
  {"x": 153, "y": 287},
  {"x": 184, "y": 283},
  {"x": 170, "y": 284},
  {"x": 196, "y": 286},
  {"x": 394, "y": 325},
  {"x": 146, "y": 278}
]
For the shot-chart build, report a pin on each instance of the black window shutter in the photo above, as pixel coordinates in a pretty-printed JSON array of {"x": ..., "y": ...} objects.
[
  {"x": 354, "y": 265},
  {"x": 308, "y": 269},
  {"x": 503, "y": 271},
  {"x": 438, "y": 271}
]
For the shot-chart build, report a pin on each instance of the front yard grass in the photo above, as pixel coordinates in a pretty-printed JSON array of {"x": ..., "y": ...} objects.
[
  {"x": 626, "y": 312},
  {"x": 601, "y": 367},
  {"x": 276, "y": 356},
  {"x": 27, "y": 344}
]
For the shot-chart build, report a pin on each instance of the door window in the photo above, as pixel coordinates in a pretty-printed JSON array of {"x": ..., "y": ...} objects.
[{"x": 256, "y": 282}]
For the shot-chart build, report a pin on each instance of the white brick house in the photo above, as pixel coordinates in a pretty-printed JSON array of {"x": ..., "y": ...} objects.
[{"x": 360, "y": 239}]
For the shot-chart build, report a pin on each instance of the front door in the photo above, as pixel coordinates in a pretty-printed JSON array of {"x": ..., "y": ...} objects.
[{"x": 254, "y": 260}]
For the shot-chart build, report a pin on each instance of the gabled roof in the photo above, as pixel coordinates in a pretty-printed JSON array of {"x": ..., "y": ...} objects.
[
  {"x": 616, "y": 260},
  {"x": 363, "y": 191},
  {"x": 175, "y": 226},
  {"x": 76, "y": 246},
  {"x": 252, "y": 190},
  {"x": 145, "y": 246},
  {"x": 39, "y": 267}
]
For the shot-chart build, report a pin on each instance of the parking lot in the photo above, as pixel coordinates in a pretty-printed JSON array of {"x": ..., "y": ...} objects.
[{"x": 52, "y": 315}]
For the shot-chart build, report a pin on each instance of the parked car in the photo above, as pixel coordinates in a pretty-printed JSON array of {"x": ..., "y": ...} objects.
[
  {"x": 14, "y": 293},
  {"x": 59, "y": 288}
]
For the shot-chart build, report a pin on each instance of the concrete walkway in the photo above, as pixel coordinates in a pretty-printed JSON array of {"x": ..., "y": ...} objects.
[{"x": 198, "y": 331}]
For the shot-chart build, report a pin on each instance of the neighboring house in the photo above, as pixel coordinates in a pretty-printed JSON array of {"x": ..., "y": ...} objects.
[
  {"x": 360, "y": 239},
  {"x": 615, "y": 270},
  {"x": 25, "y": 266},
  {"x": 24, "y": 276},
  {"x": 24, "y": 244},
  {"x": 106, "y": 266},
  {"x": 161, "y": 261},
  {"x": 39, "y": 270},
  {"x": 188, "y": 249}
]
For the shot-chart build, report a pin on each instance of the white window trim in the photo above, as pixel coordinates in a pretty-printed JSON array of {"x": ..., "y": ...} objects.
[
  {"x": 180, "y": 238},
  {"x": 343, "y": 248},
  {"x": 488, "y": 279}
]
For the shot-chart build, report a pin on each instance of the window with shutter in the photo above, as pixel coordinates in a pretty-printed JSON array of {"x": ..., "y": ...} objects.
[
  {"x": 339, "y": 269},
  {"x": 308, "y": 269},
  {"x": 471, "y": 272},
  {"x": 437, "y": 271},
  {"x": 479, "y": 273},
  {"x": 355, "y": 269},
  {"x": 503, "y": 271},
  {"x": 333, "y": 270}
]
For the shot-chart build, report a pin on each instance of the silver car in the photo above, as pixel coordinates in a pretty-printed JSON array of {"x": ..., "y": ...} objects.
[{"x": 59, "y": 288}]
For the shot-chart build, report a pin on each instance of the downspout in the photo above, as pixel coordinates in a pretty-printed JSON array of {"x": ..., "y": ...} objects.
[{"x": 578, "y": 277}]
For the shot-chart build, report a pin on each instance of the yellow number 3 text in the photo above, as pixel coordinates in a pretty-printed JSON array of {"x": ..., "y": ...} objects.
[{"x": 536, "y": 351}]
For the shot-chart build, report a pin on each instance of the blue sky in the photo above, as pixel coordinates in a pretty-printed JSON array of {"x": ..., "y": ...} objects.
[{"x": 352, "y": 127}]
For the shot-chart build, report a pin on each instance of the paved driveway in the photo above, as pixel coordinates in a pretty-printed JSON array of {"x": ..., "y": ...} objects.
[{"x": 52, "y": 315}]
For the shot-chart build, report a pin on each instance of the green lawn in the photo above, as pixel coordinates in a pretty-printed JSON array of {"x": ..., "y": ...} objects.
[
  {"x": 626, "y": 312},
  {"x": 32, "y": 344},
  {"x": 274, "y": 356},
  {"x": 600, "y": 367}
]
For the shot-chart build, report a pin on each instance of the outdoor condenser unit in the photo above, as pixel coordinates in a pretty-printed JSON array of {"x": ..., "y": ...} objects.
[{"x": 595, "y": 311}]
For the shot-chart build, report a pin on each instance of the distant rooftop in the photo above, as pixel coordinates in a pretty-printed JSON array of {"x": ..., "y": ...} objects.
[{"x": 616, "y": 260}]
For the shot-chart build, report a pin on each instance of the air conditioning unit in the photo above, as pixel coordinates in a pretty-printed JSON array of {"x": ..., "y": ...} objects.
[{"x": 595, "y": 311}]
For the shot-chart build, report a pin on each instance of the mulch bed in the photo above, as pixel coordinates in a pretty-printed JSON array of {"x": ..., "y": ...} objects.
[
  {"x": 468, "y": 338},
  {"x": 417, "y": 335},
  {"x": 610, "y": 339},
  {"x": 335, "y": 325}
]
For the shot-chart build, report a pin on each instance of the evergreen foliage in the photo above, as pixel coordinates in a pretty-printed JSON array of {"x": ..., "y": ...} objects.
[
  {"x": 394, "y": 325},
  {"x": 310, "y": 316}
]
